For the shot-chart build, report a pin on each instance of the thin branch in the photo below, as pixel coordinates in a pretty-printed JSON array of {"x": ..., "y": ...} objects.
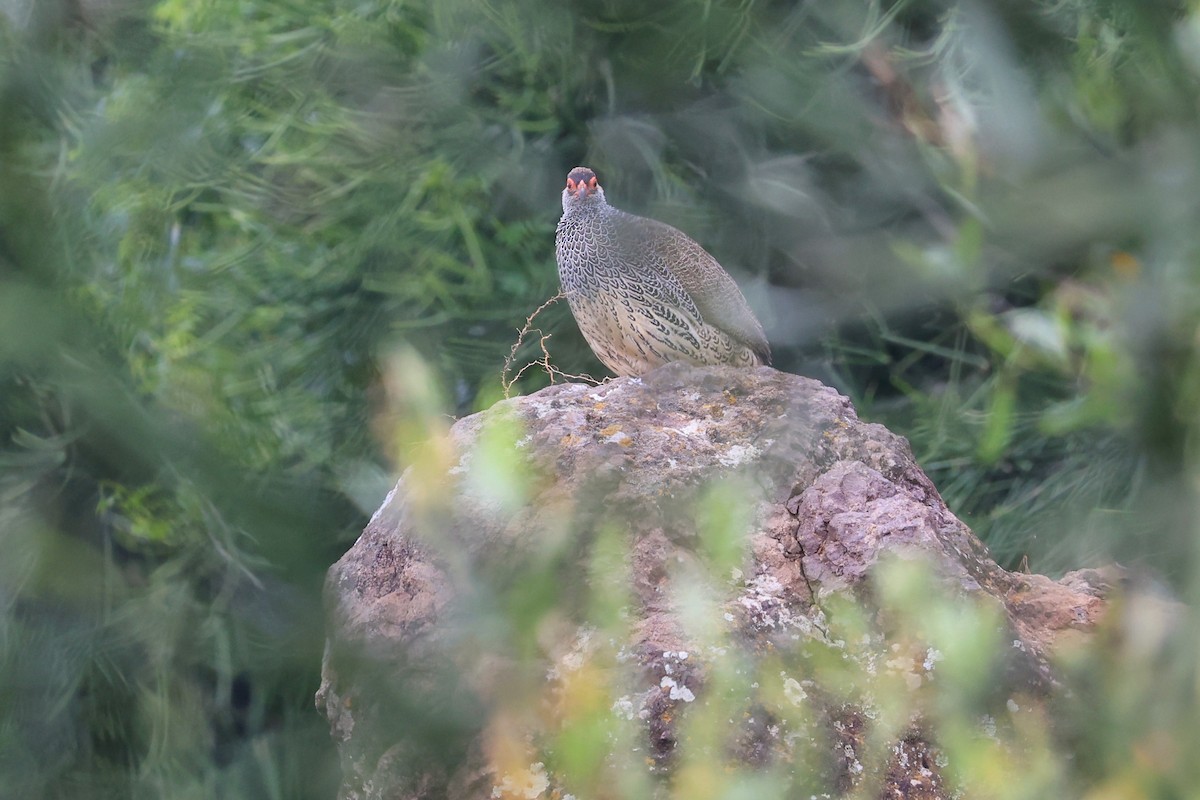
[{"x": 543, "y": 361}]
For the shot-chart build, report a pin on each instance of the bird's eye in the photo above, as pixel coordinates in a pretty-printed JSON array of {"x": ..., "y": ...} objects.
[
  {"x": 592, "y": 182},
  {"x": 570, "y": 183}
]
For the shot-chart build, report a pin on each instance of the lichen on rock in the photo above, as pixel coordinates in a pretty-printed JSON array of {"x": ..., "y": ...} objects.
[{"x": 699, "y": 576}]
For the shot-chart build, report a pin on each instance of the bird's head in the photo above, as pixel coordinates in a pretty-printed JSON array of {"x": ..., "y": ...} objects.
[{"x": 582, "y": 190}]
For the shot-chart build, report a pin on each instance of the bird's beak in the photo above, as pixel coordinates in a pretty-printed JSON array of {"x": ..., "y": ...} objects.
[{"x": 581, "y": 191}]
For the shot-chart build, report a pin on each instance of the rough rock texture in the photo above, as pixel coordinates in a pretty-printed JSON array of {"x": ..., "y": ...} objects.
[{"x": 418, "y": 640}]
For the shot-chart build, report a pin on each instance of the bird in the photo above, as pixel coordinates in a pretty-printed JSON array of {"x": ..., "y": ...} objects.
[{"x": 645, "y": 293}]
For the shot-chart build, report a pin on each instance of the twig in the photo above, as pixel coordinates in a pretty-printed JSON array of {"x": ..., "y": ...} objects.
[{"x": 544, "y": 361}]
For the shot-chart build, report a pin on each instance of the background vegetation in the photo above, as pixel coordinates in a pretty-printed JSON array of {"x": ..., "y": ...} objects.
[{"x": 250, "y": 249}]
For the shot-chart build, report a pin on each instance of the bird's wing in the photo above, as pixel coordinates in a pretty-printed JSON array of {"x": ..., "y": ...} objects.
[{"x": 716, "y": 295}]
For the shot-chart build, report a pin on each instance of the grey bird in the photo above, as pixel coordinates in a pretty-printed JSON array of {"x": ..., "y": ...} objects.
[{"x": 644, "y": 293}]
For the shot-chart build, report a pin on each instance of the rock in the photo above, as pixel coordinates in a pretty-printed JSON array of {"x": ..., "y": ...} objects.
[{"x": 700, "y": 575}]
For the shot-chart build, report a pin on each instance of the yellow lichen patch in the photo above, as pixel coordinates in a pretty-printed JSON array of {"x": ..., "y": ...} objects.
[
  {"x": 583, "y": 692},
  {"x": 613, "y": 433},
  {"x": 515, "y": 774}
]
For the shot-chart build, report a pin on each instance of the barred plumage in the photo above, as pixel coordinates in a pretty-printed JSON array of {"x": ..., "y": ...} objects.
[{"x": 644, "y": 293}]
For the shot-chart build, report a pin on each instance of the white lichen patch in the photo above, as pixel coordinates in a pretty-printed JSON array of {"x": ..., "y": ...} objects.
[
  {"x": 738, "y": 454},
  {"x": 905, "y": 667},
  {"x": 870, "y": 707},
  {"x": 762, "y": 600},
  {"x": 573, "y": 659},
  {"x": 620, "y": 437},
  {"x": 543, "y": 408},
  {"x": 624, "y": 708},
  {"x": 677, "y": 690},
  {"x": 988, "y": 724},
  {"x": 852, "y": 763},
  {"x": 794, "y": 692}
]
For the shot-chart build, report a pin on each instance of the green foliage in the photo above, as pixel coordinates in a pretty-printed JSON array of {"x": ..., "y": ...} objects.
[{"x": 221, "y": 221}]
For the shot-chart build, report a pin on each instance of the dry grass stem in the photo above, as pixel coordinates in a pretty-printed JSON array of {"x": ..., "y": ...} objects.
[{"x": 543, "y": 361}]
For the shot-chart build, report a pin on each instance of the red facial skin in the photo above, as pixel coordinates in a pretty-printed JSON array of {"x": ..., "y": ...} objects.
[{"x": 581, "y": 183}]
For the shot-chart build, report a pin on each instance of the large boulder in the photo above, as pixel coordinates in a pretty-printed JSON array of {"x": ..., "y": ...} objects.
[{"x": 660, "y": 584}]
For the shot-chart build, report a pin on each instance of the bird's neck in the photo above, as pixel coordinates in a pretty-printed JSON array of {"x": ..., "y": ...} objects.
[{"x": 592, "y": 210}]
